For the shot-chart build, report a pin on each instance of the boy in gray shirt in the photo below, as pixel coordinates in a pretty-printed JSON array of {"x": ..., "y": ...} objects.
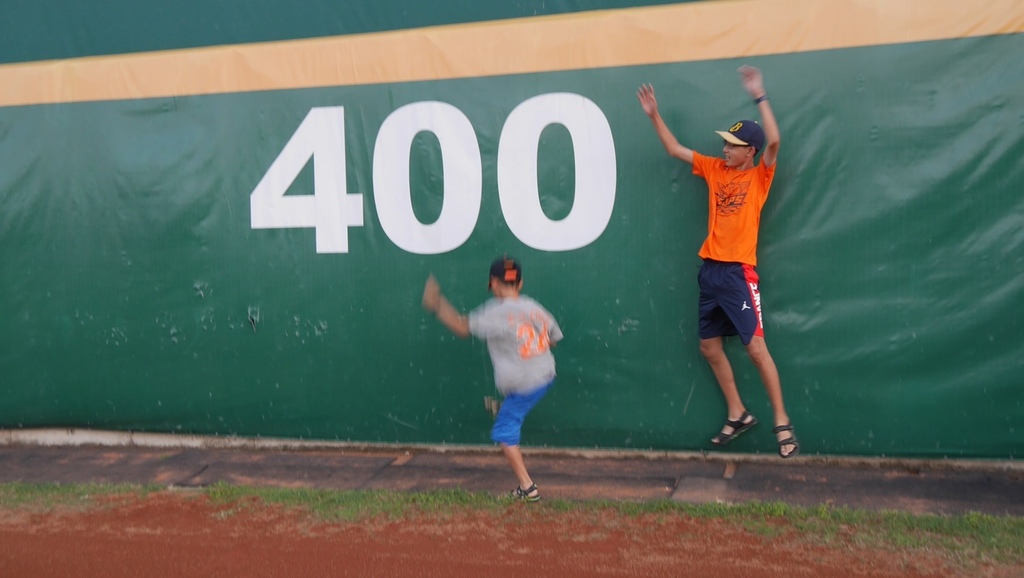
[{"x": 519, "y": 333}]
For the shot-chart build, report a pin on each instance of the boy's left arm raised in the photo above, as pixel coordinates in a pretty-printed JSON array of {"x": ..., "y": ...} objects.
[
  {"x": 753, "y": 82},
  {"x": 445, "y": 312}
]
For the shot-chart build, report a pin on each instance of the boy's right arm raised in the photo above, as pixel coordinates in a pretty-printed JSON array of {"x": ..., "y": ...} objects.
[{"x": 650, "y": 106}]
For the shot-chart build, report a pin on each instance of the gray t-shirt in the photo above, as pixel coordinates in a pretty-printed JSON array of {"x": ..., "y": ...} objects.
[{"x": 519, "y": 333}]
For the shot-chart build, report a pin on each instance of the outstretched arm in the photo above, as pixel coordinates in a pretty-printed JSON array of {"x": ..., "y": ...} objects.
[
  {"x": 445, "y": 312},
  {"x": 753, "y": 82},
  {"x": 650, "y": 105}
]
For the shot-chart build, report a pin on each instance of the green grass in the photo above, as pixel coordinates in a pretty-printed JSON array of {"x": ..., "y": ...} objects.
[
  {"x": 51, "y": 495},
  {"x": 967, "y": 539},
  {"x": 349, "y": 505}
]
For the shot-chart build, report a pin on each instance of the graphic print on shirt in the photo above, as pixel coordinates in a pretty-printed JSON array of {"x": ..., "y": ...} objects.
[
  {"x": 532, "y": 334},
  {"x": 731, "y": 196}
]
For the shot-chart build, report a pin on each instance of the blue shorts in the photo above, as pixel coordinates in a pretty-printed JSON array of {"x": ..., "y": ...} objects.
[
  {"x": 514, "y": 408},
  {"x": 730, "y": 302}
]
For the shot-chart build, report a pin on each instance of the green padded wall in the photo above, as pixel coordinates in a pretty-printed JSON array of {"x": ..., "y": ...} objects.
[{"x": 160, "y": 271}]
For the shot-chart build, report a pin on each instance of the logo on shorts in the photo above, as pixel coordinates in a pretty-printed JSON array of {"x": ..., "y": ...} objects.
[
  {"x": 745, "y": 306},
  {"x": 757, "y": 303}
]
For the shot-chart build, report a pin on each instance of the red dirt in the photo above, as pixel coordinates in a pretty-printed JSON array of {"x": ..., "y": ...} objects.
[{"x": 177, "y": 534}]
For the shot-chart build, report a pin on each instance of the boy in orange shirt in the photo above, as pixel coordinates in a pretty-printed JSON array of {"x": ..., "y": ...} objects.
[{"x": 730, "y": 303}]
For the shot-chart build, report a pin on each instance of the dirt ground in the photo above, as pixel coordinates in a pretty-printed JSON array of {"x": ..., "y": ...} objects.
[{"x": 185, "y": 534}]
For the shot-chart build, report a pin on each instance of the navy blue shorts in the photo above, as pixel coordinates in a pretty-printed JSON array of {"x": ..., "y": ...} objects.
[{"x": 730, "y": 303}]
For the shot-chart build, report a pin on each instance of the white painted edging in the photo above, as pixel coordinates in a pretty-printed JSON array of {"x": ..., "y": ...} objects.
[{"x": 76, "y": 437}]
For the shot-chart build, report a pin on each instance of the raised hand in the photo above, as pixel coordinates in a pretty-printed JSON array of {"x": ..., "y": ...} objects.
[
  {"x": 431, "y": 295},
  {"x": 752, "y": 81},
  {"x": 647, "y": 101}
]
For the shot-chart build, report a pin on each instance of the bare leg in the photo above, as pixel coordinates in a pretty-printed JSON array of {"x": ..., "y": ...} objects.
[
  {"x": 515, "y": 459},
  {"x": 712, "y": 350},
  {"x": 758, "y": 351}
]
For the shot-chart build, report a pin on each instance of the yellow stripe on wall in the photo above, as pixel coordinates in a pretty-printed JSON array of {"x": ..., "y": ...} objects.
[{"x": 637, "y": 36}]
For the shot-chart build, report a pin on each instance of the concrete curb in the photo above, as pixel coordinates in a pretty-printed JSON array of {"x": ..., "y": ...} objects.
[{"x": 73, "y": 437}]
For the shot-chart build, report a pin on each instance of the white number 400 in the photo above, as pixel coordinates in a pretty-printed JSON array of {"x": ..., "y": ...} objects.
[{"x": 331, "y": 210}]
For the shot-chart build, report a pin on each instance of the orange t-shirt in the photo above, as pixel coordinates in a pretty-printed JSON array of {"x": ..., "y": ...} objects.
[{"x": 735, "y": 199}]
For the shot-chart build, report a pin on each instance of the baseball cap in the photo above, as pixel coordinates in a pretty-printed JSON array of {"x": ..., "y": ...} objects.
[
  {"x": 507, "y": 270},
  {"x": 744, "y": 133}
]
